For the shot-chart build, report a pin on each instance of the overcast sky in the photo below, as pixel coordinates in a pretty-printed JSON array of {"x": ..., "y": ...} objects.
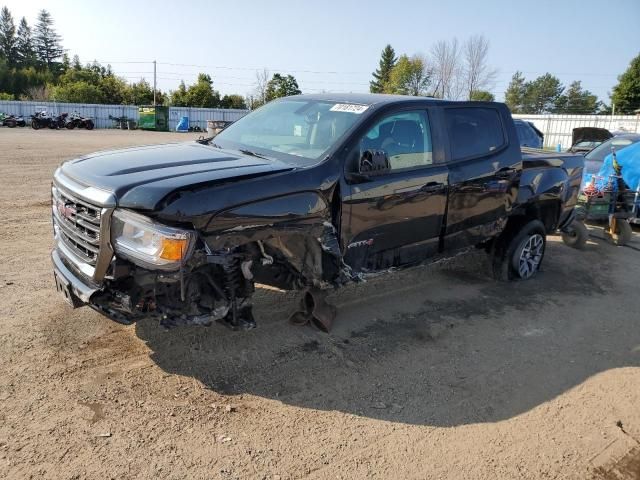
[{"x": 335, "y": 45}]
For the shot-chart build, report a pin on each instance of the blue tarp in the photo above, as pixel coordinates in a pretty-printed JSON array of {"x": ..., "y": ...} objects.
[
  {"x": 183, "y": 125},
  {"x": 629, "y": 159}
]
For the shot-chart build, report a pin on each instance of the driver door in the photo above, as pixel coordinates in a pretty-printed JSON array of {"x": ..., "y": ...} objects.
[{"x": 394, "y": 218}]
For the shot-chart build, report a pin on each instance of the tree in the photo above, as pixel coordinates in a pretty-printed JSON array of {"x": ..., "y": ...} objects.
[
  {"x": 281, "y": 86},
  {"x": 46, "y": 41},
  {"x": 478, "y": 75},
  {"x": 178, "y": 97},
  {"x": 113, "y": 89},
  {"x": 382, "y": 75},
  {"x": 626, "y": 94},
  {"x": 233, "y": 101},
  {"x": 262, "y": 80},
  {"x": 410, "y": 76},
  {"x": 8, "y": 47},
  {"x": 139, "y": 93},
  {"x": 75, "y": 63},
  {"x": 78, "y": 92},
  {"x": 482, "y": 96},
  {"x": 26, "y": 54},
  {"x": 542, "y": 94},
  {"x": 577, "y": 101},
  {"x": 201, "y": 94},
  {"x": 514, "y": 97},
  {"x": 446, "y": 69}
]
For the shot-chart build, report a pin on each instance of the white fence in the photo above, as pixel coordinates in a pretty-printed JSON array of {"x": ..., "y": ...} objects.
[
  {"x": 557, "y": 129},
  {"x": 101, "y": 113}
]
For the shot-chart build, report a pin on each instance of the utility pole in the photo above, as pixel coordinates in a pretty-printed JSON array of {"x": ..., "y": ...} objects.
[{"x": 154, "y": 83}]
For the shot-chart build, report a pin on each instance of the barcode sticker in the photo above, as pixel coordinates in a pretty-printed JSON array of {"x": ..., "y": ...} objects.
[{"x": 349, "y": 108}]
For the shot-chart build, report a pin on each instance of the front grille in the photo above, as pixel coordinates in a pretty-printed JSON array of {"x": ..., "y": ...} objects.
[{"x": 77, "y": 224}]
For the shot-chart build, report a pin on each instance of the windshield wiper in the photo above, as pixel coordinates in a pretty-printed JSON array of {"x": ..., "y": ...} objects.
[{"x": 252, "y": 154}]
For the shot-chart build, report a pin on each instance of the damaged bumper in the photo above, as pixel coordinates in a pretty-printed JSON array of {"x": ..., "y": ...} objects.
[{"x": 75, "y": 290}]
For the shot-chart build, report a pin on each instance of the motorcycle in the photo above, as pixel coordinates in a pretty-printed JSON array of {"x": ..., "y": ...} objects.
[
  {"x": 12, "y": 121},
  {"x": 76, "y": 120},
  {"x": 41, "y": 120},
  {"x": 59, "y": 122}
]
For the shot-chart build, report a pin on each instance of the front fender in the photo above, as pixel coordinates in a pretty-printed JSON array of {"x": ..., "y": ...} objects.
[{"x": 297, "y": 213}]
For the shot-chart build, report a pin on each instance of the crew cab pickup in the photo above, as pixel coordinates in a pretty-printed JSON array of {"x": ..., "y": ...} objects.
[{"x": 308, "y": 192}]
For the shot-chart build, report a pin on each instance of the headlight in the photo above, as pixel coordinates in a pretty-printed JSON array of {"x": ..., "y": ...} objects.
[{"x": 149, "y": 244}]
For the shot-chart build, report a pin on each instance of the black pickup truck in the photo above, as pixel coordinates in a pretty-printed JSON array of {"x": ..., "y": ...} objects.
[{"x": 308, "y": 192}]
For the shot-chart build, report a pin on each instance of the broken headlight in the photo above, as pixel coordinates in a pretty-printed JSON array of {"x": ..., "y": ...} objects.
[{"x": 149, "y": 244}]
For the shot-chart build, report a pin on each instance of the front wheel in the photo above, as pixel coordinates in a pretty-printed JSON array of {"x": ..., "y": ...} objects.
[
  {"x": 517, "y": 255},
  {"x": 89, "y": 125},
  {"x": 71, "y": 125},
  {"x": 35, "y": 125},
  {"x": 576, "y": 235}
]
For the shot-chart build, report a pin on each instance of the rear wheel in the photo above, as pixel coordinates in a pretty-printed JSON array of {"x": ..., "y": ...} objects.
[
  {"x": 517, "y": 255},
  {"x": 11, "y": 123},
  {"x": 71, "y": 125},
  {"x": 576, "y": 235}
]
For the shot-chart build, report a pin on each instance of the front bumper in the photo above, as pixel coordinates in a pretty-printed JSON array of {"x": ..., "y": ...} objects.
[{"x": 81, "y": 290}]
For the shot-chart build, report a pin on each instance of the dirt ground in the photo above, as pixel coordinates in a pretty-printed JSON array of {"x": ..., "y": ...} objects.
[{"x": 437, "y": 372}]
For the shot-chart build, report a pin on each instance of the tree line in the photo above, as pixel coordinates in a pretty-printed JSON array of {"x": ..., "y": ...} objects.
[
  {"x": 453, "y": 70},
  {"x": 457, "y": 71},
  {"x": 35, "y": 66}
]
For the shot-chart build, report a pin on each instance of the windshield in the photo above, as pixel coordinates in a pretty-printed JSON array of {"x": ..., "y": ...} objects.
[
  {"x": 604, "y": 149},
  {"x": 297, "y": 131}
]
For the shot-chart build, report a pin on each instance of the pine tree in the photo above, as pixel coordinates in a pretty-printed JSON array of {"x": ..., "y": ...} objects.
[
  {"x": 577, "y": 101},
  {"x": 514, "y": 96},
  {"x": 24, "y": 44},
  {"x": 7, "y": 37},
  {"x": 47, "y": 42},
  {"x": 382, "y": 75}
]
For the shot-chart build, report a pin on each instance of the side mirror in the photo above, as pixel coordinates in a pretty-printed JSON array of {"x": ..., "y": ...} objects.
[{"x": 373, "y": 163}]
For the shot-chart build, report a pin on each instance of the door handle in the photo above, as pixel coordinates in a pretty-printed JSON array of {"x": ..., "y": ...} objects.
[
  {"x": 432, "y": 187},
  {"x": 505, "y": 173}
]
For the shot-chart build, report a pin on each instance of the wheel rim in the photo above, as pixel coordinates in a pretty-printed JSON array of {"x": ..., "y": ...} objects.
[{"x": 530, "y": 255}]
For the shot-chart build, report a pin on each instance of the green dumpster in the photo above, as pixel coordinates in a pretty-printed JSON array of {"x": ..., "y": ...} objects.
[{"x": 153, "y": 118}]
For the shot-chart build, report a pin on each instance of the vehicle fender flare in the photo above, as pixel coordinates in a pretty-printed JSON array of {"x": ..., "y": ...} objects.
[{"x": 543, "y": 184}]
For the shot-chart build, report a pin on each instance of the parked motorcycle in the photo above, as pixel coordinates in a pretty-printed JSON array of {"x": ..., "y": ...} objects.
[
  {"x": 12, "y": 121},
  {"x": 77, "y": 120},
  {"x": 59, "y": 122},
  {"x": 41, "y": 120}
]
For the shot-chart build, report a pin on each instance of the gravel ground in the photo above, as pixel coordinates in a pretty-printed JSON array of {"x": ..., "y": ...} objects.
[{"x": 436, "y": 372}]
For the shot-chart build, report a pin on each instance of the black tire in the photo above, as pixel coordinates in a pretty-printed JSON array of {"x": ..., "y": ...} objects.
[
  {"x": 11, "y": 123},
  {"x": 89, "y": 125},
  {"x": 518, "y": 254},
  {"x": 576, "y": 235},
  {"x": 623, "y": 233},
  {"x": 71, "y": 125},
  {"x": 35, "y": 125}
]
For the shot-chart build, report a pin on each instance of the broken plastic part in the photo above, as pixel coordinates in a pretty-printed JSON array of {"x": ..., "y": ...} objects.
[{"x": 314, "y": 309}]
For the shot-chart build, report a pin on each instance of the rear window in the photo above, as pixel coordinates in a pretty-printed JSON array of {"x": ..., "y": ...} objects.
[{"x": 474, "y": 131}]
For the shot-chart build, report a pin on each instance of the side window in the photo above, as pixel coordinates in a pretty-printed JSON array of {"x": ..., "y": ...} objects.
[
  {"x": 474, "y": 131},
  {"x": 405, "y": 137}
]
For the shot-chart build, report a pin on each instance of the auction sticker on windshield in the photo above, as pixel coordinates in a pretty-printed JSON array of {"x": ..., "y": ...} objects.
[{"x": 349, "y": 108}]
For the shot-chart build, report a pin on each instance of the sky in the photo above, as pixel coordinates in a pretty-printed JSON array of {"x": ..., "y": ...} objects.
[{"x": 335, "y": 45}]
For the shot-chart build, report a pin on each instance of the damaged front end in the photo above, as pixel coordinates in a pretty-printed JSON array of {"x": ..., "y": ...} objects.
[
  {"x": 129, "y": 266},
  {"x": 216, "y": 285}
]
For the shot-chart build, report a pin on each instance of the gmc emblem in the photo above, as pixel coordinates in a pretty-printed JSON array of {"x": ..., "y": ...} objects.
[{"x": 66, "y": 210}]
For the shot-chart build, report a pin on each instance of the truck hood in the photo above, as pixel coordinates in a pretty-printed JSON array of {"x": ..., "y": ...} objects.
[{"x": 140, "y": 177}]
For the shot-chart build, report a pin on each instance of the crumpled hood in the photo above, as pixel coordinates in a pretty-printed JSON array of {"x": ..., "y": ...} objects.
[{"x": 140, "y": 177}]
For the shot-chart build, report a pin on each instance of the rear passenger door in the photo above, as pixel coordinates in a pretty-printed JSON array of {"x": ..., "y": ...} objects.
[{"x": 484, "y": 168}]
